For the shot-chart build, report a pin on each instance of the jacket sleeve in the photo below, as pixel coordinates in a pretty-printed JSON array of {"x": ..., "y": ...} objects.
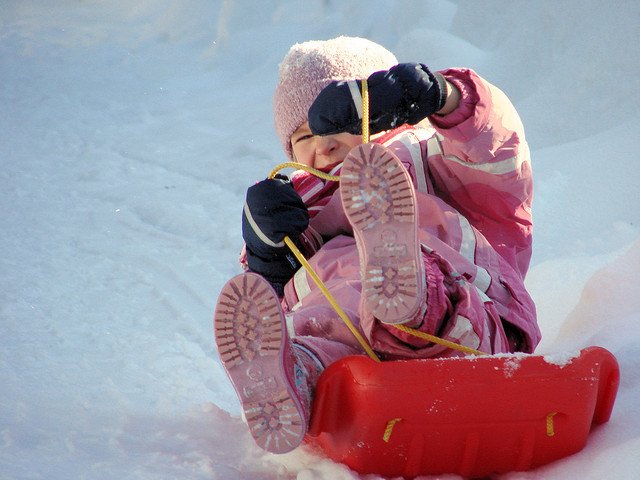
[{"x": 479, "y": 163}]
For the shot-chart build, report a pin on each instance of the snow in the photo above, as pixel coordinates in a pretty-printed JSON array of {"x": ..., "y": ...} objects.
[{"x": 129, "y": 132}]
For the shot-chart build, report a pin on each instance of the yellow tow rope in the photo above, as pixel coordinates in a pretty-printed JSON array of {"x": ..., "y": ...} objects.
[
  {"x": 331, "y": 299},
  {"x": 365, "y": 112},
  {"x": 294, "y": 249},
  {"x": 302, "y": 166}
]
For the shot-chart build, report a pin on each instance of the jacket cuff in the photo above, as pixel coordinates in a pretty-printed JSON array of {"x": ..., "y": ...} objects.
[{"x": 468, "y": 100}]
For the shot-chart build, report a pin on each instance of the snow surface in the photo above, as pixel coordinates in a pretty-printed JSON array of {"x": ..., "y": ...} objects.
[{"x": 128, "y": 134}]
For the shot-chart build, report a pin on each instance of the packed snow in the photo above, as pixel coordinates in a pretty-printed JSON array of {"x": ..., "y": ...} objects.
[{"x": 129, "y": 132}]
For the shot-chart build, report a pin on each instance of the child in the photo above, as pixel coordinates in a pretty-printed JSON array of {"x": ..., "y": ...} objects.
[{"x": 429, "y": 227}]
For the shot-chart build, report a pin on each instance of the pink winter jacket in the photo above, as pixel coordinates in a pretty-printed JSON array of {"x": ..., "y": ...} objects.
[{"x": 472, "y": 174}]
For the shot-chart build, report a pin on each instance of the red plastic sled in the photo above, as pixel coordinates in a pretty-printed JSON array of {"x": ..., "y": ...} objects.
[{"x": 473, "y": 417}]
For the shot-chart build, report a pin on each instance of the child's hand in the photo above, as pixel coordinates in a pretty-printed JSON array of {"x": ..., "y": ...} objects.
[
  {"x": 273, "y": 210},
  {"x": 407, "y": 93}
]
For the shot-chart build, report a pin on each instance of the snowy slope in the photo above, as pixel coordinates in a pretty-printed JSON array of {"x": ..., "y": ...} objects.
[{"x": 128, "y": 134}]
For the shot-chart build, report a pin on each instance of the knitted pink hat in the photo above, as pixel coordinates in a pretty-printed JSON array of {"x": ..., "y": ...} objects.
[{"x": 311, "y": 66}]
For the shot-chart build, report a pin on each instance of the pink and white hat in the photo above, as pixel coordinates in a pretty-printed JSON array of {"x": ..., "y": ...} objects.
[{"x": 311, "y": 66}]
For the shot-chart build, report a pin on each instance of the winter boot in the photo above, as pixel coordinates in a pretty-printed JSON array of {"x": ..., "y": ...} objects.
[
  {"x": 379, "y": 200},
  {"x": 272, "y": 380}
]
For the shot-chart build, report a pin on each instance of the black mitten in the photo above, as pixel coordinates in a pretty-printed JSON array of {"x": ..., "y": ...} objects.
[
  {"x": 407, "y": 93},
  {"x": 273, "y": 210}
]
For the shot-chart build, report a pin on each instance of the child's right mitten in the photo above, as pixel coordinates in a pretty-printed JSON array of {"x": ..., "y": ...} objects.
[
  {"x": 273, "y": 210},
  {"x": 406, "y": 93}
]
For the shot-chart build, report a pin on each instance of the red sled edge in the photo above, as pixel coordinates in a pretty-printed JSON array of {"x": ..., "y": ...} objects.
[{"x": 471, "y": 416}]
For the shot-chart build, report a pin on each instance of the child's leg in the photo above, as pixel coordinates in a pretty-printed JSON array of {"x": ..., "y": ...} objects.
[
  {"x": 379, "y": 200},
  {"x": 273, "y": 379},
  {"x": 323, "y": 351}
]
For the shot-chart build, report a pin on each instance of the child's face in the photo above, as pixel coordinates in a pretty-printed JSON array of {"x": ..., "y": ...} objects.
[{"x": 321, "y": 152}]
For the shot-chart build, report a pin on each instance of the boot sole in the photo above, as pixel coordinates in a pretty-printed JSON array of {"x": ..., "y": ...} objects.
[
  {"x": 251, "y": 339},
  {"x": 379, "y": 200}
]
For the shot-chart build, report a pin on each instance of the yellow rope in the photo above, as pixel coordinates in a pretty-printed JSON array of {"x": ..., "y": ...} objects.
[
  {"x": 439, "y": 341},
  {"x": 389, "y": 429},
  {"x": 321, "y": 285},
  {"x": 330, "y": 298},
  {"x": 365, "y": 112},
  {"x": 306, "y": 168},
  {"x": 550, "y": 430}
]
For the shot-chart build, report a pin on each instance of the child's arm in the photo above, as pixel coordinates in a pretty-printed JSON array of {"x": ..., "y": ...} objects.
[{"x": 479, "y": 163}]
